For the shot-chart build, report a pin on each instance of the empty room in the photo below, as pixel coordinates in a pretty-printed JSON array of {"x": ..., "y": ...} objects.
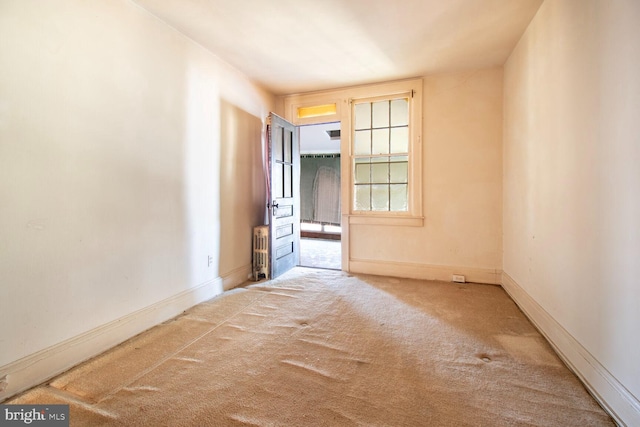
[{"x": 474, "y": 169}]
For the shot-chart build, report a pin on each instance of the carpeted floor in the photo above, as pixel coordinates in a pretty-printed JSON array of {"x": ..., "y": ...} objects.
[{"x": 323, "y": 348}]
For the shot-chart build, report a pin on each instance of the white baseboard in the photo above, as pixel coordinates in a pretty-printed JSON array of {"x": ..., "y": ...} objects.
[
  {"x": 39, "y": 367},
  {"x": 236, "y": 277},
  {"x": 424, "y": 271},
  {"x": 605, "y": 388}
]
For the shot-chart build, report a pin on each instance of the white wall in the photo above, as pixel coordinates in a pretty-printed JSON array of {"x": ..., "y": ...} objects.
[
  {"x": 572, "y": 185},
  {"x": 111, "y": 127},
  {"x": 462, "y": 188}
]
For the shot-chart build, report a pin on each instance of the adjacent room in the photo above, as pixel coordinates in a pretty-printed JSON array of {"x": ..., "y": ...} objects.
[
  {"x": 320, "y": 198},
  {"x": 474, "y": 172}
]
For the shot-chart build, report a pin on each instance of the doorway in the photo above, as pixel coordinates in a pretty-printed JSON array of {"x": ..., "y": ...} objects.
[{"x": 320, "y": 196}]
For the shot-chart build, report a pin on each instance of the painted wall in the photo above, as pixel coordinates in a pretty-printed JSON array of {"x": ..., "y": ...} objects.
[
  {"x": 462, "y": 187},
  {"x": 572, "y": 176},
  {"x": 243, "y": 195},
  {"x": 122, "y": 145}
]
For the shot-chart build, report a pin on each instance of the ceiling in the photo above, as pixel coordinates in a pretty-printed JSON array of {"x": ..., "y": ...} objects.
[
  {"x": 293, "y": 46},
  {"x": 314, "y": 139}
]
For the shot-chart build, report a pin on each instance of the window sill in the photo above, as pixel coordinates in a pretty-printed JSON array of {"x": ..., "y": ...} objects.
[{"x": 407, "y": 221}]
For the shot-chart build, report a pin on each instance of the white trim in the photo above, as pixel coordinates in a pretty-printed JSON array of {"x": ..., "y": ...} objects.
[
  {"x": 605, "y": 388},
  {"x": 412, "y": 89},
  {"x": 424, "y": 271},
  {"x": 372, "y": 219},
  {"x": 287, "y": 104},
  {"x": 236, "y": 277},
  {"x": 341, "y": 97},
  {"x": 292, "y": 115},
  {"x": 39, "y": 367}
]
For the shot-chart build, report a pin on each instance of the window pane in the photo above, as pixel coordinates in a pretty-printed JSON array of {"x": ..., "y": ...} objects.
[
  {"x": 277, "y": 143},
  {"x": 400, "y": 112},
  {"x": 317, "y": 111},
  {"x": 288, "y": 145},
  {"x": 380, "y": 197},
  {"x": 400, "y": 140},
  {"x": 362, "y": 143},
  {"x": 363, "y": 116},
  {"x": 380, "y": 141},
  {"x": 363, "y": 173},
  {"x": 381, "y": 155},
  {"x": 380, "y": 173},
  {"x": 288, "y": 185},
  {"x": 397, "y": 159},
  {"x": 380, "y": 114},
  {"x": 398, "y": 172},
  {"x": 384, "y": 159},
  {"x": 362, "y": 200},
  {"x": 399, "y": 197},
  {"x": 278, "y": 180}
]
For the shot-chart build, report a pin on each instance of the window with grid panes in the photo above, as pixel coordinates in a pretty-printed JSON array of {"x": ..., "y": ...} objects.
[{"x": 381, "y": 151}]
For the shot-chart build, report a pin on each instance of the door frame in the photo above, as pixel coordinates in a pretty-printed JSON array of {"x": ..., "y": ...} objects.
[
  {"x": 334, "y": 105},
  {"x": 289, "y": 107}
]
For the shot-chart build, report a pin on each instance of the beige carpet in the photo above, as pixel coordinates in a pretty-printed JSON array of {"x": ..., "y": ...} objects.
[{"x": 322, "y": 348}]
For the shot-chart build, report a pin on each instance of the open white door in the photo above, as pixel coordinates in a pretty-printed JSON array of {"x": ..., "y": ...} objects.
[{"x": 284, "y": 206}]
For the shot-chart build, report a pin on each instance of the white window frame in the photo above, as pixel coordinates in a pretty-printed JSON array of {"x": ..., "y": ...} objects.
[{"x": 389, "y": 214}]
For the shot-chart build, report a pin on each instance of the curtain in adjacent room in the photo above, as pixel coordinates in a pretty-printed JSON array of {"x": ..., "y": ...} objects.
[{"x": 326, "y": 196}]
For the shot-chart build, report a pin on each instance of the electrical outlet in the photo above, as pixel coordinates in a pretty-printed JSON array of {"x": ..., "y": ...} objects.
[
  {"x": 458, "y": 278},
  {"x": 209, "y": 261}
]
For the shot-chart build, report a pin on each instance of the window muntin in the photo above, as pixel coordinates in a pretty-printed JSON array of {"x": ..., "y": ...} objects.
[{"x": 381, "y": 154}]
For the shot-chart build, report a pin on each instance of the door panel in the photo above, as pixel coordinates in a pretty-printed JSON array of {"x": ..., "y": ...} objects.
[{"x": 284, "y": 164}]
